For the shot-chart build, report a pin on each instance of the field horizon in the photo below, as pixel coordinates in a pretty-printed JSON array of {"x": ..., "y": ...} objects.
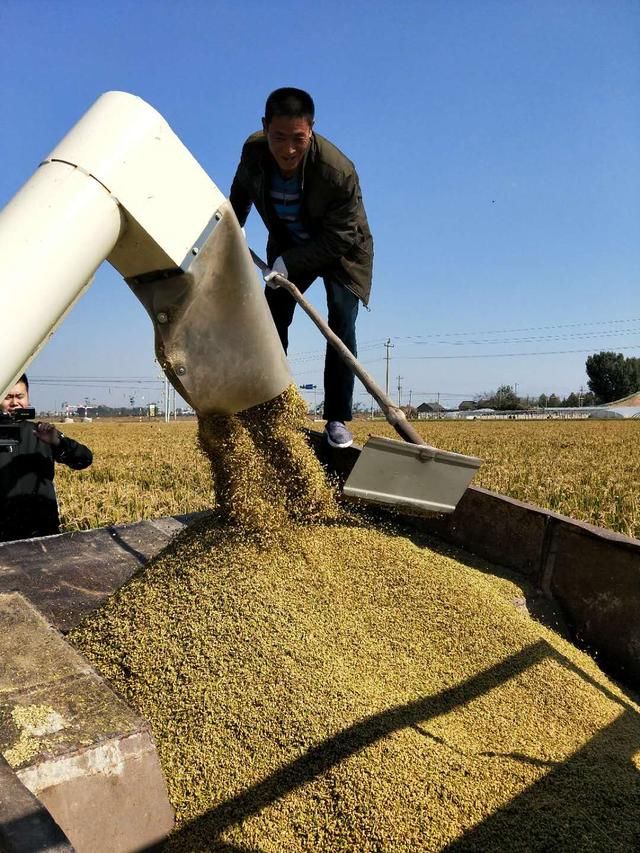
[{"x": 587, "y": 470}]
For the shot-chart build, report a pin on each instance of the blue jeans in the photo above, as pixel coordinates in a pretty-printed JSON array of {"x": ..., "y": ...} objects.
[{"x": 342, "y": 306}]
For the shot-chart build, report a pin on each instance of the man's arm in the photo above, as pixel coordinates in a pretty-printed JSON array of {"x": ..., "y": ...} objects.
[
  {"x": 239, "y": 196},
  {"x": 64, "y": 449},
  {"x": 339, "y": 233},
  {"x": 72, "y": 453}
]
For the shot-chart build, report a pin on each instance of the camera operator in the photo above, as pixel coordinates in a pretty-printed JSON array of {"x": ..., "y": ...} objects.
[{"x": 28, "y": 503}]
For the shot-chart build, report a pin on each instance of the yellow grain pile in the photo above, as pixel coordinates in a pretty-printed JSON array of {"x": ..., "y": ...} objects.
[{"x": 334, "y": 686}]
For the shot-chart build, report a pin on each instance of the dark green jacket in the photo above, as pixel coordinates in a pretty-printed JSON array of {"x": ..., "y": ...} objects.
[
  {"x": 28, "y": 504},
  {"x": 332, "y": 212}
]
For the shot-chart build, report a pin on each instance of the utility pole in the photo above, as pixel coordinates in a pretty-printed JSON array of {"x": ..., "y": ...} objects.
[
  {"x": 388, "y": 347},
  {"x": 410, "y": 393},
  {"x": 399, "y": 387},
  {"x": 166, "y": 400}
]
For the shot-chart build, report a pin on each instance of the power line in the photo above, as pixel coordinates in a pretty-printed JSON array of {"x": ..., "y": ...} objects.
[
  {"x": 373, "y": 343},
  {"x": 504, "y": 354},
  {"x": 627, "y": 321},
  {"x": 155, "y": 382},
  {"x": 580, "y": 335},
  {"x": 112, "y": 380},
  {"x": 314, "y": 355},
  {"x": 444, "y": 393}
]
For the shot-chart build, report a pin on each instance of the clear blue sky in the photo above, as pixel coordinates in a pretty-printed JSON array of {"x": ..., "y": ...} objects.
[{"x": 498, "y": 147}]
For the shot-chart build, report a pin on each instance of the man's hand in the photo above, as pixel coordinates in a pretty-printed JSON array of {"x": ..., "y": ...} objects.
[
  {"x": 47, "y": 433},
  {"x": 278, "y": 268}
]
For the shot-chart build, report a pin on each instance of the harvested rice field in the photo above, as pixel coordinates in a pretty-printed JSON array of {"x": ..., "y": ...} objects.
[
  {"x": 339, "y": 684},
  {"x": 585, "y": 469}
]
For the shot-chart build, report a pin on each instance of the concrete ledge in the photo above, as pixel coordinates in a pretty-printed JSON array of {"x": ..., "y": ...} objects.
[{"x": 76, "y": 746}]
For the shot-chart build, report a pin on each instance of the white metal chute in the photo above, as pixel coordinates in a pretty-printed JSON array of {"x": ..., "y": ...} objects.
[
  {"x": 54, "y": 234},
  {"x": 121, "y": 186},
  {"x": 168, "y": 198}
]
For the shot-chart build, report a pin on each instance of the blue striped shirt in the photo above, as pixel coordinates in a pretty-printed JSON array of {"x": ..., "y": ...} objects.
[{"x": 285, "y": 196}]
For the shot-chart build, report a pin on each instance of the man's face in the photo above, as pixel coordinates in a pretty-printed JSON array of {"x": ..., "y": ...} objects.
[
  {"x": 288, "y": 139},
  {"x": 16, "y": 398}
]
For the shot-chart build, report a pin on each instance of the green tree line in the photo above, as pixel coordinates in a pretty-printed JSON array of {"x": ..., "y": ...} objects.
[{"x": 611, "y": 377}]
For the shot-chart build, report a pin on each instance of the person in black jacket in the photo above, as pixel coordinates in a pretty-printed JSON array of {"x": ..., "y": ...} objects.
[
  {"x": 28, "y": 503},
  {"x": 308, "y": 196}
]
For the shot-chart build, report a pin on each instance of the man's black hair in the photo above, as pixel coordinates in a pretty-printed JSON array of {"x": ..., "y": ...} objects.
[
  {"x": 289, "y": 102},
  {"x": 23, "y": 379}
]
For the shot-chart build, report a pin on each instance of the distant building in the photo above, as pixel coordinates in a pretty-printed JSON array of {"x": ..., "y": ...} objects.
[
  {"x": 429, "y": 410},
  {"x": 467, "y": 405},
  {"x": 469, "y": 415},
  {"x": 608, "y": 412}
]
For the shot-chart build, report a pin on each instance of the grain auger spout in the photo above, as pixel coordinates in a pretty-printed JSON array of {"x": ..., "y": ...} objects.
[{"x": 121, "y": 186}]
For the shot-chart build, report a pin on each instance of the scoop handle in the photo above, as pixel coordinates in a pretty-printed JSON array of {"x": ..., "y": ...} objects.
[{"x": 394, "y": 415}]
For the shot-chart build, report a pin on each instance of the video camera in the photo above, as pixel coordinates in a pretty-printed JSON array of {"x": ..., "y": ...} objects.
[{"x": 10, "y": 425}]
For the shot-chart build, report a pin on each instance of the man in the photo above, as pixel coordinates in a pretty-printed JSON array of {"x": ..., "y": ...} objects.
[
  {"x": 28, "y": 504},
  {"x": 308, "y": 195}
]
